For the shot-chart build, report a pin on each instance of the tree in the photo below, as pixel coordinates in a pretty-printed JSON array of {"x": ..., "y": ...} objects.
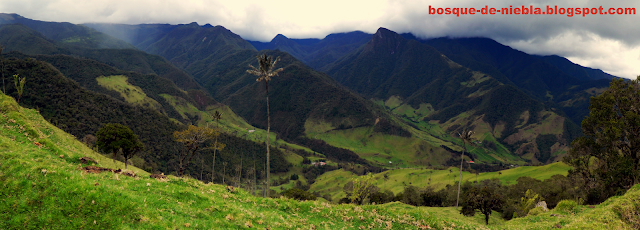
[
  {"x": 4, "y": 89},
  {"x": 19, "y": 82},
  {"x": 465, "y": 136},
  {"x": 484, "y": 199},
  {"x": 216, "y": 116},
  {"x": 265, "y": 71},
  {"x": 528, "y": 202},
  {"x": 116, "y": 137},
  {"x": 360, "y": 188},
  {"x": 607, "y": 157},
  {"x": 192, "y": 139}
]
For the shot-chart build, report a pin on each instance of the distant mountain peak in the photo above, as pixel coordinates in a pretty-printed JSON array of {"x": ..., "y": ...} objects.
[
  {"x": 12, "y": 16},
  {"x": 280, "y": 39},
  {"x": 386, "y": 40}
]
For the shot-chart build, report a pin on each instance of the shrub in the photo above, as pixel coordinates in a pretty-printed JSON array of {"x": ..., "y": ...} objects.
[
  {"x": 535, "y": 211},
  {"x": 629, "y": 208},
  {"x": 298, "y": 194},
  {"x": 567, "y": 206}
]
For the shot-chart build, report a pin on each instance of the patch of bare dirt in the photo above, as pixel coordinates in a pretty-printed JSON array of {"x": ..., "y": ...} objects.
[{"x": 96, "y": 169}]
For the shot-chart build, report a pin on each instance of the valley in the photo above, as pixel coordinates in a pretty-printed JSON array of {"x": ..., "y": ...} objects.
[{"x": 386, "y": 108}]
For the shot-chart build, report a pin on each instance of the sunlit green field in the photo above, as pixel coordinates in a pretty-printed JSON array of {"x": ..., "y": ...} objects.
[{"x": 395, "y": 180}]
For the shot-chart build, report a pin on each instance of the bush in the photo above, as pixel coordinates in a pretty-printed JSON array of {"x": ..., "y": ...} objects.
[
  {"x": 294, "y": 177},
  {"x": 629, "y": 207},
  {"x": 298, "y": 194},
  {"x": 567, "y": 206},
  {"x": 535, "y": 211},
  {"x": 468, "y": 210}
]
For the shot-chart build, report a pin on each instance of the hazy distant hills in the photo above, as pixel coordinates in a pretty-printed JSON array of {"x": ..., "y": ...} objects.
[
  {"x": 317, "y": 53},
  {"x": 68, "y": 34}
]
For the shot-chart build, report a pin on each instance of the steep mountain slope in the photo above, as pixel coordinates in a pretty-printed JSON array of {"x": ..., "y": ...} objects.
[
  {"x": 68, "y": 34},
  {"x": 575, "y": 70},
  {"x": 68, "y": 105},
  {"x": 26, "y": 40},
  {"x": 136, "y": 90},
  {"x": 418, "y": 81},
  {"x": 543, "y": 78}
]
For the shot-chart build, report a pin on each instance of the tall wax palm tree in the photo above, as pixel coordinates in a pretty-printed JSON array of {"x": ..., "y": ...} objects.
[
  {"x": 465, "y": 136},
  {"x": 4, "y": 89},
  {"x": 265, "y": 72},
  {"x": 216, "y": 116}
]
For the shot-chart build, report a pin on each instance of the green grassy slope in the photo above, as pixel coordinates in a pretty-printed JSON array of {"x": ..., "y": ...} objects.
[
  {"x": 132, "y": 94},
  {"x": 332, "y": 182},
  {"x": 42, "y": 187}
]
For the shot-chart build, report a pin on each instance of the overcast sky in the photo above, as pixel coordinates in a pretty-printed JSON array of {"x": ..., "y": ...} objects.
[{"x": 607, "y": 42}]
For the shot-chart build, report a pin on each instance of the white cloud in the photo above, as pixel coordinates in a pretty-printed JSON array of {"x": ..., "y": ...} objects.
[
  {"x": 610, "y": 42},
  {"x": 587, "y": 49}
]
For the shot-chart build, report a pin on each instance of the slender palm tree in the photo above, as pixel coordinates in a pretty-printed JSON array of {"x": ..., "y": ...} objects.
[
  {"x": 465, "y": 136},
  {"x": 4, "y": 89},
  {"x": 216, "y": 116},
  {"x": 265, "y": 71}
]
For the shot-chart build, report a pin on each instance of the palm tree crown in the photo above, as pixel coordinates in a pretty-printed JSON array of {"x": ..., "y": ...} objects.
[{"x": 266, "y": 65}]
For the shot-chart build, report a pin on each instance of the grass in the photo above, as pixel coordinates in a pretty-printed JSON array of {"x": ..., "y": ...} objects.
[
  {"x": 230, "y": 122},
  {"x": 382, "y": 148},
  {"x": 43, "y": 188},
  {"x": 332, "y": 182},
  {"x": 132, "y": 94}
]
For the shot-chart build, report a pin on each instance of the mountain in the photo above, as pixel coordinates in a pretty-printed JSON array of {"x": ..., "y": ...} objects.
[
  {"x": 15, "y": 37},
  {"x": 544, "y": 78},
  {"x": 143, "y": 95},
  {"x": 317, "y": 53},
  {"x": 18, "y": 37},
  {"x": 151, "y": 106},
  {"x": 68, "y": 34},
  {"x": 418, "y": 84},
  {"x": 416, "y": 76},
  {"x": 484, "y": 60},
  {"x": 575, "y": 70},
  {"x": 300, "y": 96}
]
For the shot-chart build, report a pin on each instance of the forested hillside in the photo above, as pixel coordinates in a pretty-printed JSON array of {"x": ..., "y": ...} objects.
[{"x": 68, "y": 105}]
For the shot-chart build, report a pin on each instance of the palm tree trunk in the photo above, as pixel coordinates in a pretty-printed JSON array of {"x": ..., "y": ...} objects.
[
  {"x": 268, "y": 130},
  {"x": 461, "y": 161},
  {"x": 213, "y": 166},
  {"x": 4, "y": 89}
]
